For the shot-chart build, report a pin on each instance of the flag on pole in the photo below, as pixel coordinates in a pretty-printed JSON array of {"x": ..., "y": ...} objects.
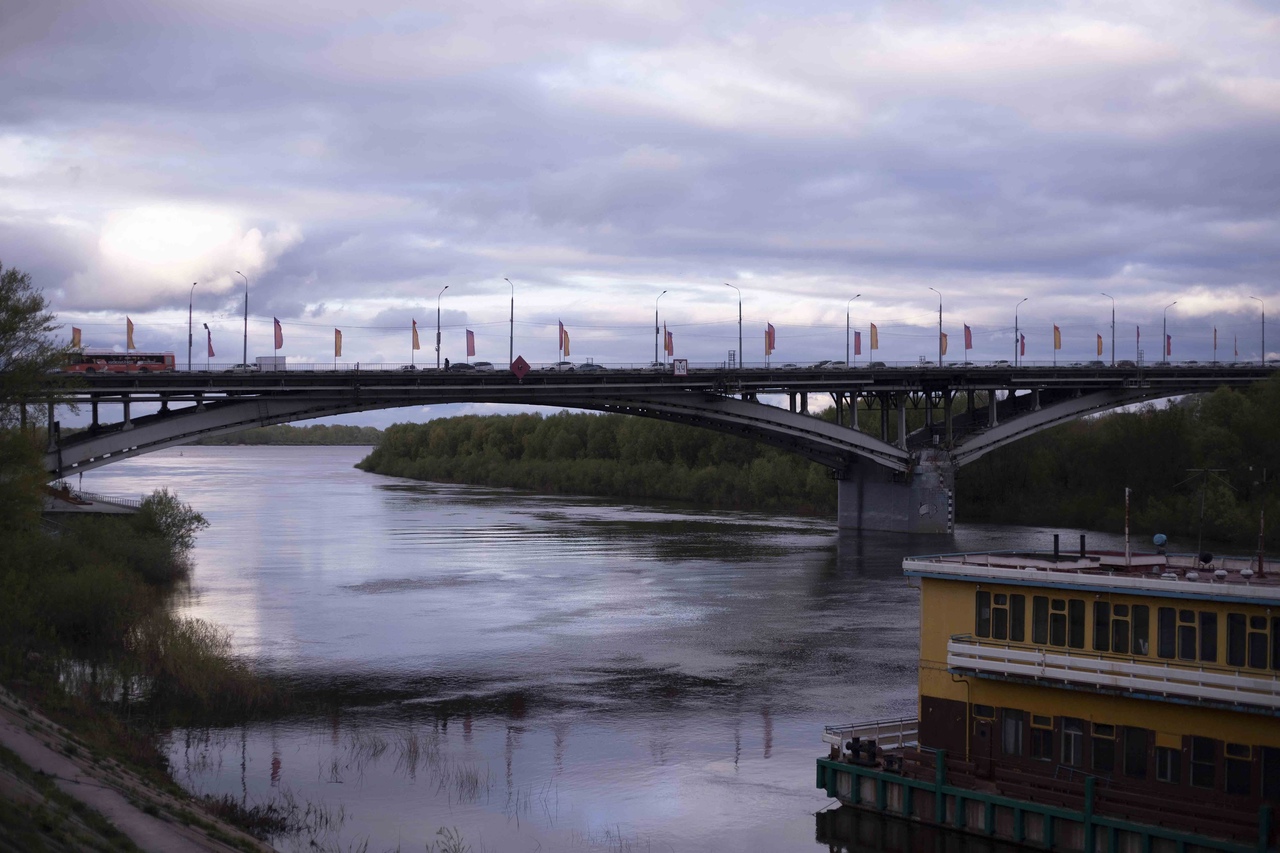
[
  {"x": 1235, "y": 345},
  {"x": 128, "y": 334},
  {"x": 416, "y": 343},
  {"x": 968, "y": 337},
  {"x": 1168, "y": 345},
  {"x": 857, "y": 343},
  {"x": 471, "y": 343},
  {"x": 1139, "y": 332},
  {"x": 337, "y": 343},
  {"x": 1057, "y": 337},
  {"x": 944, "y": 343},
  {"x": 279, "y": 333},
  {"x": 75, "y": 338},
  {"x": 1215, "y": 337},
  {"x": 209, "y": 333},
  {"x": 670, "y": 341},
  {"x": 1099, "y": 344},
  {"x": 1022, "y": 344},
  {"x": 875, "y": 337},
  {"x": 564, "y": 339},
  {"x": 769, "y": 339}
]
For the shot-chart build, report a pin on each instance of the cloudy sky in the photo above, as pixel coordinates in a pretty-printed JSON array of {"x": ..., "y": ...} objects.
[{"x": 353, "y": 159}]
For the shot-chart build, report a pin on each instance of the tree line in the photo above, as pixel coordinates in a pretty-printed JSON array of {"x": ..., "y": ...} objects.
[
  {"x": 617, "y": 456},
  {"x": 314, "y": 434}
]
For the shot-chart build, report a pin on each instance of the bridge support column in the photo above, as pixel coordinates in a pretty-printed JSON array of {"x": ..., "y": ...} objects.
[
  {"x": 128, "y": 422},
  {"x": 871, "y": 497},
  {"x": 991, "y": 409},
  {"x": 902, "y": 421}
]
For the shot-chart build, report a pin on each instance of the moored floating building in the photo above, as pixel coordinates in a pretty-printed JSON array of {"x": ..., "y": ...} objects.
[{"x": 1087, "y": 701}]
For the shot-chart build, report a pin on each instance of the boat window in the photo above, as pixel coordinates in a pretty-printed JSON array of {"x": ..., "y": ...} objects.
[
  {"x": 1011, "y": 731},
  {"x": 1017, "y": 618},
  {"x": 1235, "y": 639},
  {"x": 1042, "y": 737},
  {"x": 985, "y": 712},
  {"x": 1168, "y": 765},
  {"x": 1258, "y": 643},
  {"x": 1270, "y": 773},
  {"x": 1000, "y": 618},
  {"x": 1057, "y": 622},
  {"x": 1104, "y": 748},
  {"x": 983, "y": 627},
  {"x": 1203, "y": 761},
  {"x": 1102, "y": 626},
  {"x": 1186, "y": 635},
  {"x": 1135, "y": 752},
  {"x": 1166, "y": 632},
  {"x": 1239, "y": 769},
  {"x": 1275, "y": 642},
  {"x": 1141, "y": 626},
  {"x": 1072, "y": 742},
  {"x": 1075, "y": 622},
  {"x": 1208, "y": 636},
  {"x": 1040, "y": 619}
]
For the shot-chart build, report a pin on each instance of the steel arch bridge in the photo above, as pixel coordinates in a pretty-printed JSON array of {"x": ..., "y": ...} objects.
[{"x": 890, "y": 477}]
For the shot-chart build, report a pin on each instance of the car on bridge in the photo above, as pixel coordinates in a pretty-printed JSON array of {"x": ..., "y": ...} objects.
[
  {"x": 462, "y": 367},
  {"x": 484, "y": 365},
  {"x": 562, "y": 366},
  {"x": 242, "y": 368},
  {"x": 591, "y": 367}
]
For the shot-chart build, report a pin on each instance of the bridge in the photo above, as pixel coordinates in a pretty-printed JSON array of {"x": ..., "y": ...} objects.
[{"x": 889, "y": 476}]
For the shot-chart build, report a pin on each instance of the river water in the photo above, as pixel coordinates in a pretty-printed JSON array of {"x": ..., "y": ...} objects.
[{"x": 536, "y": 673}]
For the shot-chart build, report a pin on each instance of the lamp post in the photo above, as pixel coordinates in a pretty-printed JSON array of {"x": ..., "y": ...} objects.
[
  {"x": 939, "y": 326},
  {"x": 846, "y": 329},
  {"x": 244, "y": 359},
  {"x": 655, "y": 325},
  {"x": 511, "y": 345},
  {"x": 1113, "y": 329},
  {"x": 1017, "y": 341},
  {"x": 1164, "y": 334},
  {"x": 206, "y": 351},
  {"x": 190, "y": 302},
  {"x": 1262, "y": 359},
  {"x": 438, "y": 295},
  {"x": 727, "y": 284}
]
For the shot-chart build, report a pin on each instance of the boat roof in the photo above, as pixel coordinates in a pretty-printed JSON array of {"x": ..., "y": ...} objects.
[{"x": 1230, "y": 579}]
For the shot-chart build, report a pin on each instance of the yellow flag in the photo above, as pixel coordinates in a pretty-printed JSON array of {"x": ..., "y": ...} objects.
[
  {"x": 128, "y": 334},
  {"x": 337, "y": 343},
  {"x": 75, "y": 337},
  {"x": 1057, "y": 337},
  {"x": 944, "y": 343},
  {"x": 875, "y": 337},
  {"x": 415, "y": 335},
  {"x": 1099, "y": 344}
]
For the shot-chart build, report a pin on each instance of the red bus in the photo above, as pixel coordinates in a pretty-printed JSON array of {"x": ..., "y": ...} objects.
[{"x": 110, "y": 361}]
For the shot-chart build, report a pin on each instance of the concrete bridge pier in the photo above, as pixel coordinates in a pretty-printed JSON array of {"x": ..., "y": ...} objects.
[{"x": 919, "y": 500}]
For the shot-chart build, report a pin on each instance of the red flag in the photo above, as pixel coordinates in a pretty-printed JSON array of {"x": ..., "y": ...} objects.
[
  {"x": 671, "y": 343},
  {"x": 968, "y": 337},
  {"x": 75, "y": 338},
  {"x": 337, "y": 343},
  {"x": 944, "y": 343},
  {"x": 769, "y": 339},
  {"x": 209, "y": 332},
  {"x": 564, "y": 339},
  {"x": 128, "y": 334},
  {"x": 279, "y": 333},
  {"x": 471, "y": 343},
  {"x": 1023, "y": 344},
  {"x": 1168, "y": 345},
  {"x": 857, "y": 343},
  {"x": 416, "y": 344}
]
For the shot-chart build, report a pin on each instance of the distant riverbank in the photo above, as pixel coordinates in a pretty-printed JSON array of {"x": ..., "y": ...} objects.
[{"x": 287, "y": 434}]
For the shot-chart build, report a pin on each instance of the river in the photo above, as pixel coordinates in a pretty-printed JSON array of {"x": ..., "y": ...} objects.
[{"x": 533, "y": 673}]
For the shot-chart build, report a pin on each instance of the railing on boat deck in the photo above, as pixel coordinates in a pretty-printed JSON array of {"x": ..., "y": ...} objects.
[
  {"x": 1180, "y": 679},
  {"x": 888, "y": 734}
]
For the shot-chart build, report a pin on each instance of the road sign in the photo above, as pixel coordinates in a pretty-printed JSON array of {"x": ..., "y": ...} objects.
[{"x": 519, "y": 367}]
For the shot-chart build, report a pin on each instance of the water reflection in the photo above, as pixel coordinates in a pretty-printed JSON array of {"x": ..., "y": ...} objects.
[{"x": 534, "y": 672}]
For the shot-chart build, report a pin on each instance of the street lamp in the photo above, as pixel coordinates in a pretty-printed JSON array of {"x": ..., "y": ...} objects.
[
  {"x": 511, "y": 345},
  {"x": 727, "y": 284},
  {"x": 1113, "y": 329},
  {"x": 438, "y": 295},
  {"x": 244, "y": 359},
  {"x": 1263, "y": 358},
  {"x": 190, "y": 301},
  {"x": 1016, "y": 337},
  {"x": 655, "y": 325},
  {"x": 939, "y": 327},
  {"x": 206, "y": 351},
  {"x": 1164, "y": 333},
  {"x": 846, "y": 330}
]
